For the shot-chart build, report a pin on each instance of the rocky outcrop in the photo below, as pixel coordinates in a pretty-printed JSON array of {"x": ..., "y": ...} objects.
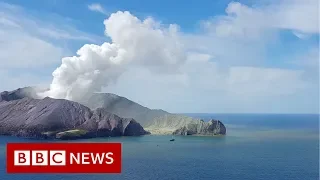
[
  {"x": 181, "y": 125},
  {"x": 19, "y": 93},
  {"x": 167, "y": 124},
  {"x": 46, "y": 118},
  {"x": 199, "y": 127}
]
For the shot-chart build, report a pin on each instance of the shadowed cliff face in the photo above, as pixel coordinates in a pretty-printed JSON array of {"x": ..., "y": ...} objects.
[
  {"x": 49, "y": 117},
  {"x": 133, "y": 129},
  {"x": 107, "y": 124}
]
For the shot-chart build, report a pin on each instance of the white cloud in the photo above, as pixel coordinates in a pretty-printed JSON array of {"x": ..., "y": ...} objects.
[
  {"x": 299, "y": 15},
  {"x": 28, "y": 41},
  {"x": 267, "y": 82},
  {"x": 242, "y": 21},
  {"x": 55, "y": 27},
  {"x": 134, "y": 43},
  {"x": 6, "y": 22},
  {"x": 19, "y": 49},
  {"x": 30, "y": 46},
  {"x": 97, "y": 8},
  {"x": 310, "y": 59},
  {"x": 55, "y": 33},
  {"x": 301, "y": 35},
  {"x": 205, "y": 87}
]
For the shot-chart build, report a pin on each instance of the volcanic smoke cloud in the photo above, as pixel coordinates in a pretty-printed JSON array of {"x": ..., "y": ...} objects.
[{"x": 145, "y": 44}]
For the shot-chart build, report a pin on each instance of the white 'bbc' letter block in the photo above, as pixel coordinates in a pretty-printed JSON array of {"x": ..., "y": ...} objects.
[
  {"x": 21, "y": 158},
  {"x": 57, "y": 158},
  {"x": 39, "y": 158}
]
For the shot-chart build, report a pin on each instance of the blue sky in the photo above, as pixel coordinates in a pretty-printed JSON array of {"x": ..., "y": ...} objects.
[{"x": 242, "y": 56}]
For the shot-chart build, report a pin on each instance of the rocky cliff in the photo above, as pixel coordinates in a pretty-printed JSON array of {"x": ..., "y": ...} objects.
[
  {"x": 181, "y": 125},
  {"x": 167, "y": 123},
  {"x": 199, "y": 127},
  {"x": 58, "y": 118}
]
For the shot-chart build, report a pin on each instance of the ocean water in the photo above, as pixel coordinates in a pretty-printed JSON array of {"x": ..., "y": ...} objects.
[{"x": 256, "y": 147}]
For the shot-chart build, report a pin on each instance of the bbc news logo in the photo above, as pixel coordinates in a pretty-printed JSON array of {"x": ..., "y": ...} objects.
[
  {"x": 58, "y": 158},
  {"x": 64, "y": 158}
]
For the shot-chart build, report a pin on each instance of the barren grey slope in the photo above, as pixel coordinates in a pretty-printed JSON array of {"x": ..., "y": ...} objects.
[
  {"x": 115, "y": 104},
  {"x": 123, "y": 107},
  {"x": 32, "y": 117}
]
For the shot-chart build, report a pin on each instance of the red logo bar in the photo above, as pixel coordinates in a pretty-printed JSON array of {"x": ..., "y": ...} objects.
[{"x": 63, "y": 158}]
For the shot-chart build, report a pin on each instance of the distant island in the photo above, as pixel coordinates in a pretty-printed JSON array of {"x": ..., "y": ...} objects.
[{"x": 24, "y": 114}]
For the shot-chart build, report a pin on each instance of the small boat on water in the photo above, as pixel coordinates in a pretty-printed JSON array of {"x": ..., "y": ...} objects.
[{"x": 172, "y": 139}]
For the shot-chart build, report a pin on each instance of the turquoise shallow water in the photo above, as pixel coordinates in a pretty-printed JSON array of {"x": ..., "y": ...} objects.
[{"x": 272, "y": 147}]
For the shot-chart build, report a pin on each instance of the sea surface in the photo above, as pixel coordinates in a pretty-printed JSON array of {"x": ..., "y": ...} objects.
[{"x": 256, "y": 147}]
